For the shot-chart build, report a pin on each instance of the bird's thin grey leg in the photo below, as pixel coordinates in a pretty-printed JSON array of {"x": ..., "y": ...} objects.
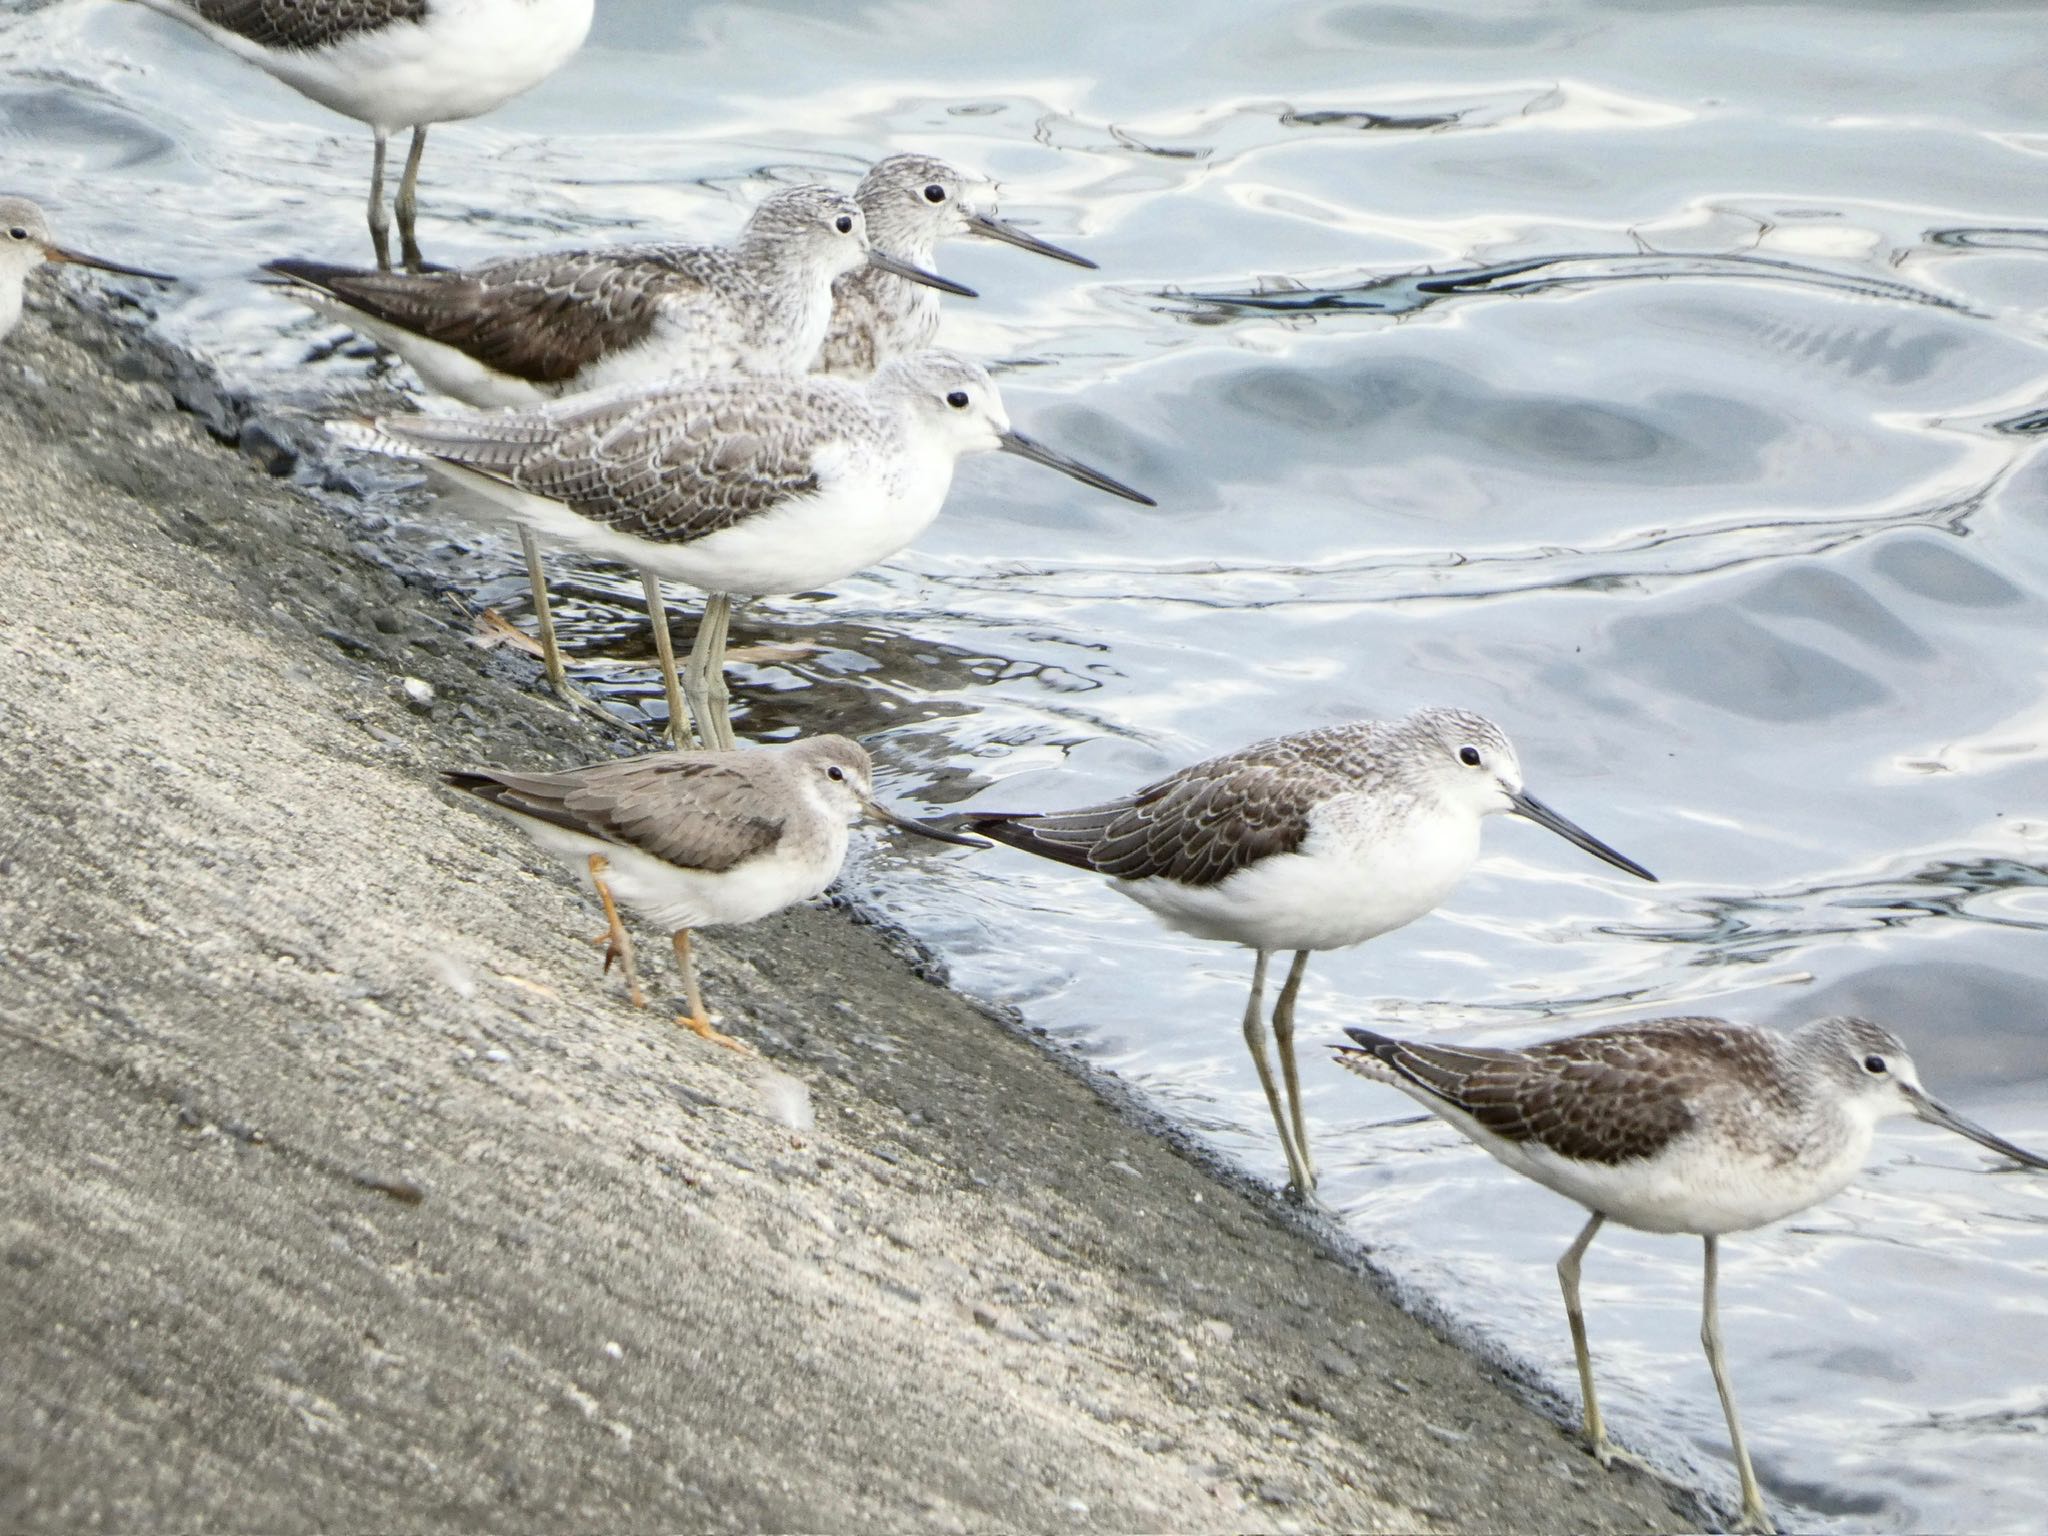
[
  {"x": 618, "y": 944},
  {"x": 1568, "y": 1278},
  {"x": 409, "y": 201},
  {"x": 697, "y": 1021},
  {"x": 1754, "y": 1516},
  {"x": 704, "y": 677},
  {"x": 380, "y": 222},
  {"x": 1255, "y": 1040},
  {"x": 543, "y": 613},
  {"x": 1283, "y": 1040},
  {"x": 680, "y": 714}
]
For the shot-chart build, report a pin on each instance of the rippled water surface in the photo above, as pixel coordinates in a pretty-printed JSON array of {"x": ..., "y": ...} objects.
[{"x": 1662, "y": 379}]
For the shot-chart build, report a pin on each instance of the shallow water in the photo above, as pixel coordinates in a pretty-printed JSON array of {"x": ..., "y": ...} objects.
[{"x": 1662, "y": 380}]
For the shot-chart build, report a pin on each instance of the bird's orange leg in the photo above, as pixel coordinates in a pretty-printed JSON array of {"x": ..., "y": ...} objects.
[
  {"x": 618, "y": 944},
  {"x": 697, "y": 1021}
]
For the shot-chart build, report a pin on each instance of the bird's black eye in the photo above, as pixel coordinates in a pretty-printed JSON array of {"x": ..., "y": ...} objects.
[
  {"x": 935, "y": 193},
  {"x": 836, "y": 773},
  {"x": 957, "y": 399},
  {"x": 1469, "y": 756},
  {"x": 844, "y": 223},
  {"x": 17, "y": 233},
  {"x": 1874, "y": 1065}
]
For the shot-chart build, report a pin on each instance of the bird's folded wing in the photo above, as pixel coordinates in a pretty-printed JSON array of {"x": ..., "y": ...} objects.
[
  {"x": 303, "y": 23},
  {"x": 543, "y": 319},
  {"x": 677, "y": 807},
  {"x": 1197, "y": 827}
]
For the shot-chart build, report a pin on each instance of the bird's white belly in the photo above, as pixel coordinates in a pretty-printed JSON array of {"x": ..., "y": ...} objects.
[
  {"x": 672, "y": 898},
  {"x": 853, "y": 523},
  {"x": 10, "y": 303},
  {"x": 1335, "y": 891},
  {"x": 466, "y": 58},
  {"x": 1698, "y": 1185}
]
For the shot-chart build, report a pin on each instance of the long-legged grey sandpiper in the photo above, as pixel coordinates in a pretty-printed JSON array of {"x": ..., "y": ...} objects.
[
  {"x": 1678, "y": 1125},
  {"x": 523, "y": 330},
  {"x": 694, "y": 840},
  {"x": 396, "y": 64},
  {"x": 912, "y": 202},
  {"x": 26, "y": 243},
  {"x": 1319, "y": 840},
  {"x": 739, "y": 486}
]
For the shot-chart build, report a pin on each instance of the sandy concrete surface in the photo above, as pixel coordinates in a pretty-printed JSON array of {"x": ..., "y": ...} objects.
[{"x": 341, "y": 1193}]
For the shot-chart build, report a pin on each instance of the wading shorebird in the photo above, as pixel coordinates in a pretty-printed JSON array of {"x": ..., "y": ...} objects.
[
  {"x": 26, "y": 243},
  {"x": 396, "y": 64},
  {"x": 1677, "y": 1125},
  {"x": 524, "y": 330},
  {"x": 1319, "y": 840},
  {"x": 742, "y": 487},
  {"x": 912, "y": 202},
  {"x": 692, "y": 840}
]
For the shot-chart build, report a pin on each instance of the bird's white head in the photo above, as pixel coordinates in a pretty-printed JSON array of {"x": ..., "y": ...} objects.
[
  {"x": 843, "y": 776},
  {"x": 26, "y": 243},
  {"x": 24, "y": 235},
  {"x": 915, "y": 201},
  {"x": 1469, "y": 763},
  {"x": 840, "y": 772},
  {"x": 813, "y": 227},
  {"x": 1873, "y": 1079},
  {"x": 955, "y": 408}
]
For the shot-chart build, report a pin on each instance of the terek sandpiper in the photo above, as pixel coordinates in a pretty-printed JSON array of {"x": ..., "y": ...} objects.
[
  {"x": 739, "y": 486},
  {"x": 1319, "y": 840},
  {"x": 694, "y": 840},
  {"x": 1678, "y": 1125},
  {"x": 26, "y": 243},
  {"x": 527, "y": 329},
  {"x": 396, "y": 64},
  {"x": 913, "y": 202}
]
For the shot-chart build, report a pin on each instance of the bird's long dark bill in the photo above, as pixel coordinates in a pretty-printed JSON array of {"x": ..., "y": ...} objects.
[
  {"x": 1010, "y": 234},
  {"x": 924, "y": 828},
  {"x": 1528, "y": 805},
  {"x": 1038, "y": 453},
  {"x": 81, "y": 259},
  {"x": 896, "y": 266},
  {"x": 1934, "y": 1112}
]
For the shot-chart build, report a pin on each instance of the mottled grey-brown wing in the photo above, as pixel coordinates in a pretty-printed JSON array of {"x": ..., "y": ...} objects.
[
  {"x": 1197, "y": 827},
  {"x": 687, "y": 809},
  {"x": 1607, "y": 1096},
  {"x": 305, "y": 23},
  {"x": 542, "y": 318},
  {"x": 673, "y": 465}
]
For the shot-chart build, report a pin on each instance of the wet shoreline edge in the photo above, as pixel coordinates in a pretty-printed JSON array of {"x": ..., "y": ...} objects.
[{"x": 969, "y": 1241}]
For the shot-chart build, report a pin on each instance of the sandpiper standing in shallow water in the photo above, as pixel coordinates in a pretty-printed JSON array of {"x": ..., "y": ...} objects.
[
  {"x": 739, "y": 486},
  {"x": 912, "y": 202},
  {"x": 396, "y": 64},
  {"x": 26, "y": 243},
  {"x": 1677, "y": 1125},
  {"x": 694, "y": 840},
  {"x": 1319, "y": 840},
  {"x": 527, "y": 329}
]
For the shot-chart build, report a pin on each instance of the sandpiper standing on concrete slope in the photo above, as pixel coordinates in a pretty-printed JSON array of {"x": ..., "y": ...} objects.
[
  {"x": 1678, "y": 1125},
  {"x": 26, "y": 243},
  {"x": 396, "y": 64},
  {"x": 697, "y": 839},
  {"x": 739, "y": 486},
  {"x": 527, "y": 329},
  {"x": 1319, "y": 840},
  {"x": 912, "y": 202}
]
